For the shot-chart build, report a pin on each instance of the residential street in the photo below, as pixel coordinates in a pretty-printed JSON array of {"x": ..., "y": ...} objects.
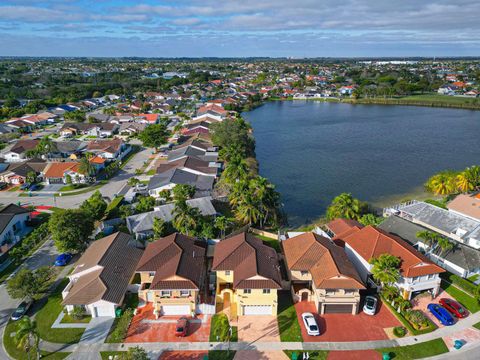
[
  {"x": 113, "y": 187},
  {"x": 45, "y": 255}
]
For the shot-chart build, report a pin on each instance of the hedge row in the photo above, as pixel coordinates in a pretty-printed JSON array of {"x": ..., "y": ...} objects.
[{"x": 462, "y": 283}]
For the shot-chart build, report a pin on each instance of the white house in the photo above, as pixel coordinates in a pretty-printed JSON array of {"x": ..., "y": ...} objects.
[
  {"x": 102, "y": 276},
  {"x": 13, "y": 225},
  {"x": 418, "y": 274}
]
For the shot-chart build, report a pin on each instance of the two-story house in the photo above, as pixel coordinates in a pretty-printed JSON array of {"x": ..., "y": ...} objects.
[
  {"x": 172, "y": 272},
  {"x": 417, "y": 272},
  {"x": 248, "y": 276},
  {"x": 112, "y": 149},
  {"x": 102, "y": 275},
  {"x": 321, "y": 272}
]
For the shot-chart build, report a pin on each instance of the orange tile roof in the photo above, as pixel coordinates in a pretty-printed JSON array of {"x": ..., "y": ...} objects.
[
  {"x": 327, "y": 262},
  {"x": 57, "y": 169},
  {"x": 370, "y": 242},
  {"x": 338, "y": 226},
  {"x": 97, "y": 160}
]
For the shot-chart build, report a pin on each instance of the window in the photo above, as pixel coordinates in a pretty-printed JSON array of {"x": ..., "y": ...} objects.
[
  {"x": 330, "y": 291},
  {"x": 349, "y": 292},
  {"x": 227, "y": 272},
  {"x": 166, "y": 293},
  {"x": 266, "y": 291},
  {"x": 151, "y": 274},
  {"x": 247, "y": 291},
  {"x": 304, "y": 273},
  {"x": 184, "y": 293}
]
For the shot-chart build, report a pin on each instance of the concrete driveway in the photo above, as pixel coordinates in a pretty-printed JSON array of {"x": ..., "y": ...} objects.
[
  {"x": 261, "y": 328},
  {"x": 260, "y": 355}
]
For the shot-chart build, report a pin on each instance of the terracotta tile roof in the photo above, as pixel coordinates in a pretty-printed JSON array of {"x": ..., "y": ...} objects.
[
  {"x": 254, "y": 264},
  {"x": 371, "y": 242},
  {"x": 57, "y": 169},
  {"x": 112, "y": 261},
  {"x": 338, "y": 226},
  {"x": 97, "y": 160},
  {"x": 327, "y": 262},
  {"x": 177, "y": 260}
]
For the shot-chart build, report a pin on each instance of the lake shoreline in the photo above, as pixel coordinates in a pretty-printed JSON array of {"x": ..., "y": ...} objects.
[{"x": 389, "y": 102}]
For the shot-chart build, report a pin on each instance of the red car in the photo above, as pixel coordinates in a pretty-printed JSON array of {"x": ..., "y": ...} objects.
[
  {"x": 453, "y": 307},
  {"x": 182, "y": 327}
]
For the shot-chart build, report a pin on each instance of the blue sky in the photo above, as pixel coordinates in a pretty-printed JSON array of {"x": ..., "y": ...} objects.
[{"x": 240, "y": 28}]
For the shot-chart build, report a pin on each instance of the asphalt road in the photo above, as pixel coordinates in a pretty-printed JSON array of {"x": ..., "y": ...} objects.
[
  {"x": 113, "y": 187},
  {"x": 45, "y": 255}
]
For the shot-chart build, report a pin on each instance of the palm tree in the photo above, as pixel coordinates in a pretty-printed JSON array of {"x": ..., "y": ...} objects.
[
  {"x": 27, "y": 337},
  {"x": 385, "y": 269},
  {"x": 266, "y": 195},
  {"x": 186, "y": 219},
  {"x": 236, "y": 170},
  {"x": 464, "y": 182},
  {"x": 444, "y": 244},
  {"x": 390, "y": 292},
  {"x": 221, "y": 223},
  {"x": 248, "y": 211},
  {"x": 345, "y": 206},
  {"x": 442, "y": 183},
  {"x": 239, "y": 190},
  {"x": 85, "y": 167},
  {"x": 403, "y": 305},
  {"x": 429, "y": 238},
  {"x": 473, "y": 175}
]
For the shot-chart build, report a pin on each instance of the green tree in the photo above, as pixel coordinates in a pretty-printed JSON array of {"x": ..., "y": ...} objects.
[
  {"x": 161, "y": 228},
  {"x": 76, "y": 116},
  {"x": 385, "y": 269},
  {"x": 370, "y": 219},
  {"x": 27, "y": 337},
  {"x": 183, "y": 192},
  {"x": 145, "y": 204},
  {"x": 126, "y": 211},
  {"x": 347, "y": 207},
  {"x": 95, "y": 206},
  {"x": 154, "y": 135},
  {"x": 133, "y": 181},
  {"x": 70, "y": 229},
  {"x": 444, "y": 244},
  {"x": 429, "y": 238},
  {"x": 31, "y": 284},
  {"x": 233, "y": 133},
  {"x": 135, "y": 353},
  {"x": 86, "y": 167},
  {"x": 186, "y": 219},
  {"x": 235, "y": 170},
  {"x": 222, "y": 223},
  {"x": 31, "y": 177}
]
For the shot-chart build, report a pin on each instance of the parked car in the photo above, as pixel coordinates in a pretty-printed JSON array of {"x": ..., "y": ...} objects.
[
  {"x": 21, "y": 310},
  {"x": 24, "y": 186},
  {"x": 3, "y": 185},
  {"x": 182, "y": 327},
  {"x": 34, "y": 187},
  {"x": 454, "y": 307},
  {"x": 370, "y": 306},
  {"x": 310, "y": 324},
  {"x": 441, "y": 314},
  {"x": 63, "y": 259}
]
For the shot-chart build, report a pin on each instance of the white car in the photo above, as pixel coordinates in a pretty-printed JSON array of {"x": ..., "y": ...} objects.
[
  {"x": 310, "y": 324},
  {"x": 370, "y": 306}
]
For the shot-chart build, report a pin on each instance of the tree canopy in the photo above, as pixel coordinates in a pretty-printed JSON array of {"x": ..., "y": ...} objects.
[
  {"x": 70, "y": 229},
  {"x": 31, "y": 284},
  {"x": 154, "y": 135},
  {"x": 95, "y": 206}
]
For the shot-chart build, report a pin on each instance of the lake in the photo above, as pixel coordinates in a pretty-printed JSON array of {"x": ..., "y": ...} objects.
[{"x": 313, "y": 151}]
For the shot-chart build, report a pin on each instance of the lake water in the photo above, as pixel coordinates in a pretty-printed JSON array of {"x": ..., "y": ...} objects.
[{"x": 313, "y": 151}]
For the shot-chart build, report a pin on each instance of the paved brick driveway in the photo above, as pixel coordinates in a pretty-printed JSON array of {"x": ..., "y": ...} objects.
[
  {"x": 260, "y": 355},
  {"x": 144, "y": 328},
  {"x": 262, "y": 328},
  {"x": 469, "y": 336},
  {"x": 183, "y": 355},
  {"x": 347, "y": 327},
  {"x": 421, "y": 303}
]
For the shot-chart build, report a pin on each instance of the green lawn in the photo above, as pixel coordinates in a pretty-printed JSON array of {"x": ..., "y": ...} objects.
[
  {"x": 73, "y": 187},
  {"x": 287, "y": 318},
  {"x": 220, "y": 326},
  {"x": 473, "y": 278},
  {"x": 151, "y": 172},
  {"x": 417, "y": 351},
  {"x": 105, "y": 354},
  {"x": 221, "y": 355},
  {"x": 49, "y": 312},
  {"x": 84, "y": 190},
  {"x": 11, "y": 348},
  {"x": 463, "y": 298},
  {"x": 68, "y": 319},
  {"x": 274, "y": 243},
  {"x": 477, "y": 325},
  {"x": 313, "y": 355}
]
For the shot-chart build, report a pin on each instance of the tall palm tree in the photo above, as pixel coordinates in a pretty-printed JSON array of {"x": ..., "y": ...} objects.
[
  {"x": 236, "y": 170},
  {"x": 27, "y": 337},
  {"x": 221, "y": 223},
  {"x": 473, "y": 174},
  {"x": 186, "y": 219},
  {"x": 238, "y": 193},
  {"x": 429, "y": 238},
  {"x": 248, "y": 211},
  {"x": 442, "y": 183},
  {"x": 385, "y": 269},
  {"x": 85, "y": 166},
  {"x": 345, "y": 206},
  {"x": 444, "y": 244},
  {"x": 464, "y": 182}
]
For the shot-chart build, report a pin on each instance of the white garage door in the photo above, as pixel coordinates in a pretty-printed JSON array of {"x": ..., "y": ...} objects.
[
  {"x": 104, "y": 310},
  {"x": 176, "y": 310},
  {"x": 257, "y": 310}
]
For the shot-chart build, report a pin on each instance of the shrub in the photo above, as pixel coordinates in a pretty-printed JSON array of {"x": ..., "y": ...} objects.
[
  {"x": 78, "y": 313},
  {"x": 120, "y": 327},
  {"x": 416, "y": 318},
  {"x": 399, "y": 331}
]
